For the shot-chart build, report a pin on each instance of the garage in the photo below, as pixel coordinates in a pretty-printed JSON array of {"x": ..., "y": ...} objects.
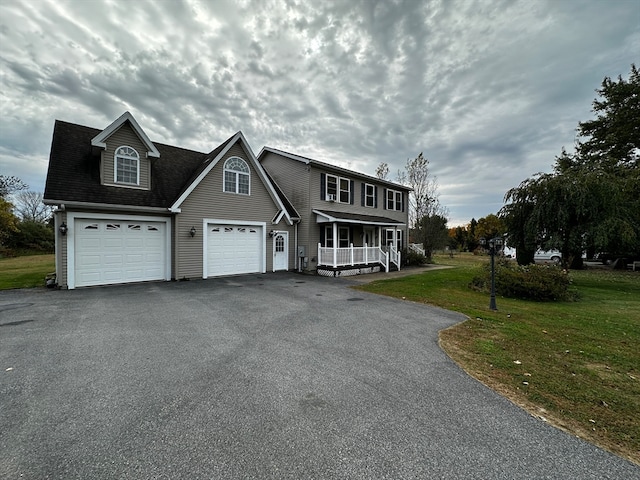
[
  {"x": 117, "y": 250},
  {"x": 234, "y": 249}
]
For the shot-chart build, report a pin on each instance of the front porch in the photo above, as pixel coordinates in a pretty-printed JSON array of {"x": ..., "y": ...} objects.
[
  {"x": 353, "y": 244},
  {"x": 337, "y": 262}
]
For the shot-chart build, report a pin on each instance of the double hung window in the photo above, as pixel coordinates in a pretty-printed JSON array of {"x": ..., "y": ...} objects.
[{"x": 394, "y": 200}]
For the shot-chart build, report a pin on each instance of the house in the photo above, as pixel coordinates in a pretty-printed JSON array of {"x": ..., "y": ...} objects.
[
  {"x": 128, "y": 210},
  {"x": 349, "y": 223}
]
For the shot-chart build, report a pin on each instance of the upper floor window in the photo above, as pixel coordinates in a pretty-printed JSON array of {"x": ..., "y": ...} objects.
[
  {"x": 337, "y": 189},
  {"x": 394, "y": 200},
  {"x": 127, "y": 166},
  {"x": 369, "y": 195},
  {"x": 236, "y": 176}
]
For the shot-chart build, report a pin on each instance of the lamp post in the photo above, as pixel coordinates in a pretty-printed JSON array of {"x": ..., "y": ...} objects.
[{"x": 494, "y": 244}]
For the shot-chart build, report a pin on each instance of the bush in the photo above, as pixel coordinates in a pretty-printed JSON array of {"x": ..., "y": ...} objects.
[
  {"x": 412, "y": 258},
  {"x": 531, "y": 282},
  {"x": 30, "y": 237}
]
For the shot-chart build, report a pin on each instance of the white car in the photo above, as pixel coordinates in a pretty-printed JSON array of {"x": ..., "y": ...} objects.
[{"x": 547, "y": 256}]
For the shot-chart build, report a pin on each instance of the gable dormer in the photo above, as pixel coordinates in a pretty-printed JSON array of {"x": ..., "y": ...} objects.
[{"x": 125, "y": 159}]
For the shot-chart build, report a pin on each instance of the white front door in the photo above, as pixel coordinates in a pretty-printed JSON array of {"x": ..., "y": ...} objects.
[
  {"x": 369, "y": 237},
  {"x": 281, "y": 251}
]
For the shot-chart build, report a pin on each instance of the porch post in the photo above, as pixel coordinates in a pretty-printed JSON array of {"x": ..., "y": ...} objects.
[
  {"x": 335, "y": 244},
  {"x": 352, "y": 254},
  {"x": 366, "y": 255}
]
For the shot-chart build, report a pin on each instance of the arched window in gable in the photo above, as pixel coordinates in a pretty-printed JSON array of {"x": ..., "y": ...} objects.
[
  {"x": 127, "y": 166},
  {"x": 236, "y": 176}
]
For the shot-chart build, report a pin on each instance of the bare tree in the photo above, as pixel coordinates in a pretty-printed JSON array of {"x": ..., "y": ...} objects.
[
  {"x": 424, "y": 200},
  {"x": 382, "y": 172},
  {"x": 30, "y": 208},
  {"x": 10, "y": 184}
]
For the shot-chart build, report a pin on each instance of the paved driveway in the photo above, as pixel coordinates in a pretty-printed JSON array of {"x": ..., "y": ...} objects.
[{"x": 268, "y": 376}]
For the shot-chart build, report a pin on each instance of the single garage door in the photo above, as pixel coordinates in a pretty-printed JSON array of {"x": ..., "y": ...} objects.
[
  {"x": 113, "y": 251},
  {"x": 233, "y": 249}
]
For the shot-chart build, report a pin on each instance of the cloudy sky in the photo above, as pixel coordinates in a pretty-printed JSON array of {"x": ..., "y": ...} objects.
[{"x": 490, "y": 91}]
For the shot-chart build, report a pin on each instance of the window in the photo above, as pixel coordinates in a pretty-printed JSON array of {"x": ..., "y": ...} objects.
[
  {"x": 328, "y": 236},
  {"x": 332, "y": 187},
  {"x": 236, "y": 176},
  {"x": 397, "y": 241},
  {"x": 336, "y": 189},
  {"x": 394, "y": 200},
  {"x": 369, "y": 199},
  {"x": 279, "y": 243},
  {"x": 343, "y": 237},
  {"x": 127, "y": 166}
]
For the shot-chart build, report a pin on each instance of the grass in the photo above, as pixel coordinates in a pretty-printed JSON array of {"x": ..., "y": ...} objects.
[
  {"x": 575, "y": 364},
  {"x": 25, "y": 272}
]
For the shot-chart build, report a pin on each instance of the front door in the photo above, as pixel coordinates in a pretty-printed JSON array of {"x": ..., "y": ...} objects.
[{"x": 280, "y": 251}]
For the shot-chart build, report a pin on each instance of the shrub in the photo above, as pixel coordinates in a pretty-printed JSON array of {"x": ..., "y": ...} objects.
[
  {"x": 531, "y": 282},
  {"x": 412, "y": 258}
]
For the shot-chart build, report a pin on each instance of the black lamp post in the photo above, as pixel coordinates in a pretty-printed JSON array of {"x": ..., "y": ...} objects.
[{"x": 494, "y": 245}]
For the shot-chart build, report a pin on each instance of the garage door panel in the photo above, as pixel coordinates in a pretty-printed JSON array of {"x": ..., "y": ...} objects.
[
  {"x": 108, "y": 251},
  {"x": 234, "y": 249}
]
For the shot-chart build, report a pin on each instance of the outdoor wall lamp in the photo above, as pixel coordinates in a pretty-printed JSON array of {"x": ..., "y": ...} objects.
[
  {"x": 192, "y": 232},
  {"x": 272, "y": 233},
  {"x": 494, "y": 244},
  {"x": 63, "y": 229}
]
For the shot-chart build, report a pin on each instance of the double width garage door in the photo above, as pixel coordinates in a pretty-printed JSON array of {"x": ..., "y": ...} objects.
[
  {"x": 115, "y": 251},
  {"x": 234, "y": 249}
]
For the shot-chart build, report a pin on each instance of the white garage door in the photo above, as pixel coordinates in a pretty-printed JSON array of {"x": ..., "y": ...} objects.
[
  {"x": 114, "y": 251},
  {"x": 233, "y": 249}
]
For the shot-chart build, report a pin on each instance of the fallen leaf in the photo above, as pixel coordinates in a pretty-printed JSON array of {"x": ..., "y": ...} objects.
[
  {"x": 11, "y": 368},
  {"x": 526, "y": 374},
  {"x": 517, "y": 362}
]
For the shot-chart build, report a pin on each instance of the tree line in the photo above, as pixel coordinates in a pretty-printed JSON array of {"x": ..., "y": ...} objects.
[{"x": 26, "y": 224}]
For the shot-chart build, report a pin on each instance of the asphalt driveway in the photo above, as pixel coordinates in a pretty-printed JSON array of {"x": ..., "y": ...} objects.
[{"x": 267, "y": 376}]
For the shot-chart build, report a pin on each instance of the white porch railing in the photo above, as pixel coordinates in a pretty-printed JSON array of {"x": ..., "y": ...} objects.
[
  {"x": 349, "y": 256},
  {"x": 416, "y": 248}
]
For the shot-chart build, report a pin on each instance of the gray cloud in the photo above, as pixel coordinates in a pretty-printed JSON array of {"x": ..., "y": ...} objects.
[{"x": 490, "y": 91}]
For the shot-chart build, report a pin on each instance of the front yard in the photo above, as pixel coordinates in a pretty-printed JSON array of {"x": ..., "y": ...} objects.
[
  {"x": 576, "y": 364},
  {"x": 25, "y": 272}
]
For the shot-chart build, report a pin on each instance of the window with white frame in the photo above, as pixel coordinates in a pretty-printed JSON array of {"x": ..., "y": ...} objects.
[
  {"x": 394, "y": 200},
  {"x": 394, "y": 237},
  {"x": 127, "y": 166},
  {"x": 345, "y": 192},
  {"x": 236, "y": 176},
  {"x": 337, "y": 189},
  {"x": 369, "y": 195},
  {"x": 343, "y": 237},
  {"x": 332, "y": 188}
]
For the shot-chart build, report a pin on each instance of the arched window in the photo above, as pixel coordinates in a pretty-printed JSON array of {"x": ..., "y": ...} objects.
[
  {"x": 127, "y": 166},
  {"x": 236, "y": 176}
]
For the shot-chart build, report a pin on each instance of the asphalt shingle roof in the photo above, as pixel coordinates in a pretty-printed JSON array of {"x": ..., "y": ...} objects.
[{"x": 74, "y": 171}]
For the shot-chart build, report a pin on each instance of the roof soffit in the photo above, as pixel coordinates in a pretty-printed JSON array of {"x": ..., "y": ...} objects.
[{"x": 100, "y": 139}]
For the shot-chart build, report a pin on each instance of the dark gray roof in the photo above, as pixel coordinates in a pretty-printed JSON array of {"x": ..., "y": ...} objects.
[
  {"x": 356, "y": 217},
  {"x": 293, "y": 213},
  {"x": 74, "y": 171}
]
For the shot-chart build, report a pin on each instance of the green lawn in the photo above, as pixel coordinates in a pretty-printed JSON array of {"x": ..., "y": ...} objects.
[
  {"x": 25, "y": 272},
  {"x": 577, "y": 363}
]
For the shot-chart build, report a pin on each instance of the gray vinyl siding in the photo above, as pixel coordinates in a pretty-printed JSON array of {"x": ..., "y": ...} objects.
[
  {"x": 125, "y": 136},
  {"x": 209, "y": 201},
  {"x": 292, "y": 176}
]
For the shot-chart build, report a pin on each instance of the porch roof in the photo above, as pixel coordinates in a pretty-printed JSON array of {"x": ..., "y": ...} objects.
[{"x": 325, "y": 216}]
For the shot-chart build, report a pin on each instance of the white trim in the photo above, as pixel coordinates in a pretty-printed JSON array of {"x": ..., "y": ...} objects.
[
  {"x": 100, "y": 139},
  {"x": 330, "y": 219},
  {"x": 217, "y": 221},
  {"x": 256, "y": 165},
  {"x": 373, "y": 197},
  {"x": 285, "y": 234},
  {"x": 237, "y": 173},
  {"x": 107, "y": 206},
  {"x": 71, "y": 258},
  {"x": 126, "y": 157}
]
